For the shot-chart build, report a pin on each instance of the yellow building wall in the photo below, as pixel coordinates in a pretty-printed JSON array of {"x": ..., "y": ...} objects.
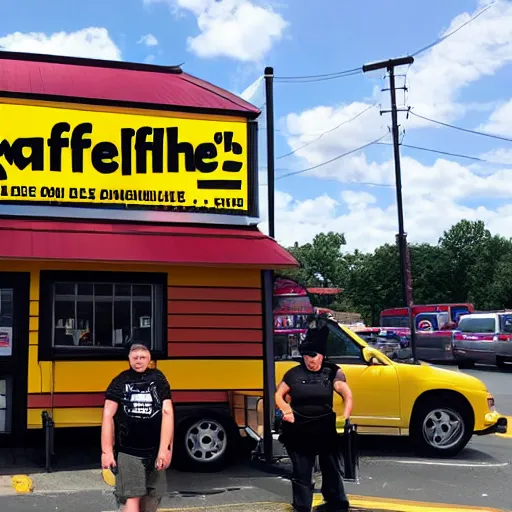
[{"x": 94, "y": 376}]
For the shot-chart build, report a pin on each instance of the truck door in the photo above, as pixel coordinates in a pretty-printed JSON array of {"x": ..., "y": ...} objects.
[{"x": 374, "y": 387}]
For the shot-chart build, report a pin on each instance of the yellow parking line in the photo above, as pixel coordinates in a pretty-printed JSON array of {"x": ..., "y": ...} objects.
[
  {"x": 274, "y": 506},
  {"x": 363, "y": 502},
  {"x": 509, "y": 429},
  {"x": 391, "y": 505}
]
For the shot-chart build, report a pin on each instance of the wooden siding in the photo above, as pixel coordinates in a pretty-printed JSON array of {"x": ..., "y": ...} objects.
[{"x": 215, "y": 321}]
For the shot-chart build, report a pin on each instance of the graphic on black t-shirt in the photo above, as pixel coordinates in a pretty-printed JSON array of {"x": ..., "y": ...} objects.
[
  {"x": 141, "y": 400},
  {"x": 140, "y": 397}
]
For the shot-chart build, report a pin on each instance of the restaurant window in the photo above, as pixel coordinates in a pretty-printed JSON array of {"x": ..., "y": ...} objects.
[{"x": 90, "y": 314}]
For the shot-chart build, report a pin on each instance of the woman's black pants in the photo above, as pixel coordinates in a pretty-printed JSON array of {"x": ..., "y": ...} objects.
[{"x": 333, "y": 490}]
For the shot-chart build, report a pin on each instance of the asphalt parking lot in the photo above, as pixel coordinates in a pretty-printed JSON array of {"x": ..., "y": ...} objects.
[{"x": 480, "y": 476}]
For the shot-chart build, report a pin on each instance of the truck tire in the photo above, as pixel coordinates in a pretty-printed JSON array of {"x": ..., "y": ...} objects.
[
  {"x": 205, "y": 442},
  {"x": 441, "y": 426}
]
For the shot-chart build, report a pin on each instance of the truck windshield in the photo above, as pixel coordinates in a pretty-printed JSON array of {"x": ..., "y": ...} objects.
[
  {"x": 477, "y": 325},
  {"x": 290, "y": 305},
  {"x": 394, "y": 321}
]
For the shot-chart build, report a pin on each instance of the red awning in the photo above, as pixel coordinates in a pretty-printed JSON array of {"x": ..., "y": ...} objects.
[{"x": 130, "y": 243}]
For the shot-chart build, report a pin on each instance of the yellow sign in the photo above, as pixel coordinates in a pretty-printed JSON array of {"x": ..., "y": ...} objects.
[{"x": 88, "y": 158}]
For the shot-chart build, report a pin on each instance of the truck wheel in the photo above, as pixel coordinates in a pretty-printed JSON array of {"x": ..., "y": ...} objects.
[
  {"x": 204, "y": 443},
  {"x": 441, "y": 427}
]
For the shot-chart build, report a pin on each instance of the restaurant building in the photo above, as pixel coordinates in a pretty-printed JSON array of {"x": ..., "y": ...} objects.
[{"x": 128, "y": 212}]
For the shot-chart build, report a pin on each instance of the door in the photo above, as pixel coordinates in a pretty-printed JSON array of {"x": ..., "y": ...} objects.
[
  {"x": 14, "y": 320},
  {"x": 375, "y": 387}
]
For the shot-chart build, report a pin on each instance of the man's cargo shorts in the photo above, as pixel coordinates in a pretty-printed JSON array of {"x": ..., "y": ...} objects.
[{"x": 137, "y": 477}]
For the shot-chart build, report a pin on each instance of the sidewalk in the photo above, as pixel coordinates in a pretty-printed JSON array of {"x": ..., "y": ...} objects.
[
  {"x": 61, "y": 486},
  {"x": 77, "y": 483}
]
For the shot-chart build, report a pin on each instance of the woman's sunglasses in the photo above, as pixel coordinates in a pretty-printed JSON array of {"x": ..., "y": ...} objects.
[{"x": 310, "y": 354}]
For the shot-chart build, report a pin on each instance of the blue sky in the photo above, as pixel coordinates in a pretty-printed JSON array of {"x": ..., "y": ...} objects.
[{"x": 464, "y": 80}]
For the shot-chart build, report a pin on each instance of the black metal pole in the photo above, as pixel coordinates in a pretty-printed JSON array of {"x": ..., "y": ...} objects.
[
  {"x": 398, "y": 180},
  {"x": 269, "y": 100},
  {"x": 269, "y": 374}
]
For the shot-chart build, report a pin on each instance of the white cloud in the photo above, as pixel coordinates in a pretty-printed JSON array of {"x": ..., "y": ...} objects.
[
  {"x": 500, "y": 121},
  {"x": 357, "y": 200},
  {"x": 92, "y": 42},
  {"x": 500, "y": 155},
  {"x": 148, "y": 40},
  {"x": 238, "y": 29},
  {"x": 435, "y": 196},
  {"x": 480, "y": 49}
]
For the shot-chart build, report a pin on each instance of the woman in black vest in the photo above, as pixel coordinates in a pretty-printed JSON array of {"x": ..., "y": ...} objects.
[{"x": 305, "y": 398}]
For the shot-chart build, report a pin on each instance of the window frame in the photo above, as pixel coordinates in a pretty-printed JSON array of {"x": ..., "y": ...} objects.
[
  {"x": 476, "y": 319},
  {"x": 48, "y": 279},
  {"x": 336, "y": 330}
]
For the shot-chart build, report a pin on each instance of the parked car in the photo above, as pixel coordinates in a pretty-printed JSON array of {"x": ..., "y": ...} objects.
[
  {"x": 434, "y": 337},
  {"x": 388, "y": 342},
  {"x": 484, "y": 338},
  {"x": 439, "y": 409}
]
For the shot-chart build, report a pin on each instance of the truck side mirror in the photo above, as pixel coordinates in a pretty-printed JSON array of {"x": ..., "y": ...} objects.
[{"x": 370, "y": 356}]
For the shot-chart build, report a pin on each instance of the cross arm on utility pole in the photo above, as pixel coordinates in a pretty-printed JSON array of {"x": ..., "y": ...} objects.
[{"x": 388, "y": 64}]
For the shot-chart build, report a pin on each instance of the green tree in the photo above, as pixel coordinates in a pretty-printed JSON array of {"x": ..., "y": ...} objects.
[
  {"x": 430, "y": 274},
  {"x": 374, "y": 282},
  {"x": 499, "y": 291},
  {"x": 462, "y": 244},
  {"x": 321, "y": 261},
  {"x": 467, "y": 264}
]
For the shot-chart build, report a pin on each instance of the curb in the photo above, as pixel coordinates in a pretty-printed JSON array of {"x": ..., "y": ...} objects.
[{"x": 22, "y": 484}]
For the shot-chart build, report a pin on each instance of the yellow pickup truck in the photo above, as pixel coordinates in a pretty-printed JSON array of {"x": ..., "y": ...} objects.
[{"x": 439, "y": 409}]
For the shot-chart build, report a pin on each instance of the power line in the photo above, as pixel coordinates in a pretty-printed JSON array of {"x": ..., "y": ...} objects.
[
  {"x": 446, "y": 36},
  {"x": 319, "y": 76},
  {"x": 475, "y": 132},
  {"x": 356, "y": 71},
  {"x": 436, "y": 151},
  {"x": 316, "y": 79},
  {"x": 327, "y": 131},
  {"x": 448, "y": 153},
  {"x": 294, "y": 173},
  {"x": 327, "y": 76},
  {"x": 364, "y": 183}
]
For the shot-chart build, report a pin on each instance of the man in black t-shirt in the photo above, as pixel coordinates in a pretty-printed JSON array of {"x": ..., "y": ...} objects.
[{"x": 137, "y": 432}]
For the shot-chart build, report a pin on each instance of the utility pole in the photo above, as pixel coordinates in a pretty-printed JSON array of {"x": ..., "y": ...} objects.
[
  {"x": 269, "y": 374},
  {"x": 390, "y": 65}
]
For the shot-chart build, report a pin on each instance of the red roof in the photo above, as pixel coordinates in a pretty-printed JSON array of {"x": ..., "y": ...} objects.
[
  {"x": 325, "y": 291},
  {"x": 171, "y": 245},
  {"x": 115, "y": 83}
]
